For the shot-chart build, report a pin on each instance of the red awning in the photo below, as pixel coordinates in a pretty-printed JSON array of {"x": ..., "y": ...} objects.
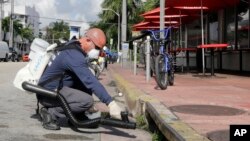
[
  {"x": 156, "y": 10},
  {"x": 196, "y": 4},
  {"x": 172, "y": 15},
  {"x": 150, "y": 27},
  {"x": 184, "y": 10},
  {"x": 171, "y": 11},
  {"x": 154, "y": 25}
]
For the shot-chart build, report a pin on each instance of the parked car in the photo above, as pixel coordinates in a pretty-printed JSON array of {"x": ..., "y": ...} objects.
[
  {"x": 4, "y": 51},
  {"x": 25, "y": 57}
]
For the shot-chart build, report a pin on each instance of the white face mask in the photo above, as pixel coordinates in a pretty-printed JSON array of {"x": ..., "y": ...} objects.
[{"x": 93, "y": 54}]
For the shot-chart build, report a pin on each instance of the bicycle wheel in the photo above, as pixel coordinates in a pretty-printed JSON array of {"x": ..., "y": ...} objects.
[
  {"x": 160, "y": 72},
  {"x": 171, "y": 73}
]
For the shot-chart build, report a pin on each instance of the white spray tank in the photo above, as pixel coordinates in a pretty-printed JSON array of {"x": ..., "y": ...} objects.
[{"x": 40, "y": 54}]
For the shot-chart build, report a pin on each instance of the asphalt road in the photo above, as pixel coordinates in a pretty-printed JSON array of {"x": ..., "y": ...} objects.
[{"x": 18, "y": 121}]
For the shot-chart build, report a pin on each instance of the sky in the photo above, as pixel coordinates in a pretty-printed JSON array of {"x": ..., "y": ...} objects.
[{"x": 74, "y": 10}]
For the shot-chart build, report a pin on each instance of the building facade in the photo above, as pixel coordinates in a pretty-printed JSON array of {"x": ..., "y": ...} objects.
[
  {"x": 28, "y": 17},
  {"x": 229, "y": 25}
]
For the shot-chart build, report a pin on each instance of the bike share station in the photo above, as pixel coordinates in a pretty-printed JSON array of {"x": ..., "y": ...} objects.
[{"x": 158, "y": 61}]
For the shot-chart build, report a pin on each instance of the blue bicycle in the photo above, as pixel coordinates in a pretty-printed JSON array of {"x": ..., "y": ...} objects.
[{"x": 162, "y": 60}]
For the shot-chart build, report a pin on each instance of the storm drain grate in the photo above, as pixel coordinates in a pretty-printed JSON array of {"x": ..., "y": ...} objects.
[
  {"x": 212, "y": 110},
  {"x": 220, "y": 135}
]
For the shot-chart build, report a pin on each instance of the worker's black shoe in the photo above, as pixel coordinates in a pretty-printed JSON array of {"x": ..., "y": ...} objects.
[{"x": 47, "y": 121}]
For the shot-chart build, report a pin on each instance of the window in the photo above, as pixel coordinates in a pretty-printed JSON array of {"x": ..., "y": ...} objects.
[
  {"x": 243, "y": 24},
  {"x": 230, "y": 27},
  {"x": 213, "y": 28},
  {"x": 194, "y": 34}
]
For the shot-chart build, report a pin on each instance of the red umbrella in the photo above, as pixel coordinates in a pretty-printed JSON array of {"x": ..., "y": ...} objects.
[
  {"x": 170, "y": 11},
  {"x": 206, "y": 4},
  {"x": 156, "y": 10},
  {"x": 172, "y": 15},
  {"x": 153, "y": 25}
]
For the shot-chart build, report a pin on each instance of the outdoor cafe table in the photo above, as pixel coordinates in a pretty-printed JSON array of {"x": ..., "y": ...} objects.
[{"x": 212, "y": 47}]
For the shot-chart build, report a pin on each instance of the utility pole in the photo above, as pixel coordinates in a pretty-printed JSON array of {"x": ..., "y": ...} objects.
[
  {"x": 124, "y": 20},
  {"x": 162, "y": 17},
  {"x": 119, "y": 33},
  {"x": 11, "y": 24},
  {"x": 125, "y": 46},
  {"x": 1, "y": 17}
]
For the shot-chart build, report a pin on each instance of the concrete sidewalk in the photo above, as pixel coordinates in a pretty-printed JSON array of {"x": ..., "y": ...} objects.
[
  {"x": 195, "y": 108},
  {"x": 111, "y": 133}
]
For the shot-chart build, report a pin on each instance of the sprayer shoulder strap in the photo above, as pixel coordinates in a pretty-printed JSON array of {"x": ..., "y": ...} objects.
[
  {"x": 70, "y": 45},
  {"x": 66, "y": 46}
]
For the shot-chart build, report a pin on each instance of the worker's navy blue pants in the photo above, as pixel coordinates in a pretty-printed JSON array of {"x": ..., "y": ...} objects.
[{"x": 78, "y": 101}]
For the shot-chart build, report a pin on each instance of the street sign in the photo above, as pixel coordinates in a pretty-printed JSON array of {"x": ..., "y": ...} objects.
[
  {"x": 125, "y": 49},
  {"x": 111, "y": 41}
]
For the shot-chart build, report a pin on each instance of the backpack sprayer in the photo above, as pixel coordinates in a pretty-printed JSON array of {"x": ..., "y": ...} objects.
[
  {"x": 124, "y": 123},
  {"x": 28, "y": 77}
]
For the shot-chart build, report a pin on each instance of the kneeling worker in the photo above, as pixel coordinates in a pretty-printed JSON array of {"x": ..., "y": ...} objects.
[{"x": 77, "y": 83}]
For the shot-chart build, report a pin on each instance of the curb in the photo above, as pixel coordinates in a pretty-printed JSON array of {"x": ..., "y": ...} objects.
[{"x": 140, "y": 103}]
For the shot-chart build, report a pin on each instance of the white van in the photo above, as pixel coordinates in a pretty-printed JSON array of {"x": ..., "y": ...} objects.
[{"x": 4, "y": 51}]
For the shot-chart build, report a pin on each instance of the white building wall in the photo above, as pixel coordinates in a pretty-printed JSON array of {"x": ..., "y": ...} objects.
[
  {"x": 28, "y": 17},
  {"x": 33, "y": 19},
  {"x": 24, "y": 12}
]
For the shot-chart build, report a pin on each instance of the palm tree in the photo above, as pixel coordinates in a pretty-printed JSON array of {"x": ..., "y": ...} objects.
[
  {"x": 17, "y": 27},
  {"x": 58, "y": 30},
  {"x": 109, "y": 19},
  {"x": 27, "y": 33},
  {"x": 5, "y": 26}
]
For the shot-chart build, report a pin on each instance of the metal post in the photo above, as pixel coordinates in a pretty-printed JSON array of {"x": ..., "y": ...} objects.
[
  {"x": 1, "y": 18},
  {"x": 1, "y": 10},
  {"x": 182, "y": 50},
  {"x": 162, "y": 18},
  {"x": 186, "y": 45},
  {"x": 124, "y": 26},
  {"x": 130, "y": 58},
  {"x": 212, "y": 61},
  {"x": 202, "y": 41},
  {"x": 135, "y": 57},
  {"x": 148, "y": 59},
  {"x": 124, "y": 21},
  {"x": 119, "y": 34},
  {"x": 11, "y": 24}
]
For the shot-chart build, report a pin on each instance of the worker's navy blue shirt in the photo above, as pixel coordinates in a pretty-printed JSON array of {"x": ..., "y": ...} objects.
[{"x": 78, "y": 74}]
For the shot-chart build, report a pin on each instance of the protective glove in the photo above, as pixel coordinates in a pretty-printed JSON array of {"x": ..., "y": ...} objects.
[{"x": 115, "y": 110}]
